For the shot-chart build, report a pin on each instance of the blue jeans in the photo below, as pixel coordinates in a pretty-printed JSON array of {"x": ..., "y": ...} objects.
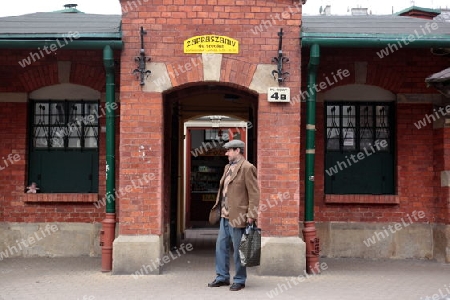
[{"x": 227, "y": 235}]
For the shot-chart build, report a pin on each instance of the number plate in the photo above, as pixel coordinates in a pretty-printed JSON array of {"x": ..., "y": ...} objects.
[{"x": 278, "y": 94}]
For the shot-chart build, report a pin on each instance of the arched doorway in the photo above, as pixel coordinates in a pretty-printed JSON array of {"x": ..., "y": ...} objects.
[{"x": 200, "y": 106}]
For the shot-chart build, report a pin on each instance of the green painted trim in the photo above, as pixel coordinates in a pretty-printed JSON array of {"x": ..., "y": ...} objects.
[
  {"x": 383, "y": 36},
  {"x": 373, "y": 40},
  {"x": 60, "y": 43},
  {"x": 35, "y": 36},
  {"x": 108, "y": 62},
  {"x": 311, "y": 132}
]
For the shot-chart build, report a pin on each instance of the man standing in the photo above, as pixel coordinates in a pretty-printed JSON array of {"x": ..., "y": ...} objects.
[{"x": 238, "y": 197}]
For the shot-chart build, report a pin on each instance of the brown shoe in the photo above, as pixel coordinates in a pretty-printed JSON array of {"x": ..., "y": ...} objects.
[
  {"x": 217, "y": 283},
  {"x": 237, "y": 286}
]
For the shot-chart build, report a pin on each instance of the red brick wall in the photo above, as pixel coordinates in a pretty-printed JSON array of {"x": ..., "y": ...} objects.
[
  {"x": 13, "y": 140},
  {"x": 279, "y": 168},
  {"x": 87, "y": 69},
  {"x": 415, "y": 180},
  {"x": 168, "y": 23},
  {"x": 403, "y": 71},
  {"x": 141, "y": 125},
  {"x": 13, "y": 178},
  {"x": 419, "y": 152}
]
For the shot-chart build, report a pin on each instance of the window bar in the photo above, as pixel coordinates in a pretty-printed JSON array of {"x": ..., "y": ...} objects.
[
  {"x": 48, "y": 126},
  {"x": 383, "y": 126},
  {"x": 341, "y": 127},
  {"x": 96, "y": 123},
  {"x": 82, "y": 125},
  {"x": 334, "y": 125},
  {"x": 66, "y": 130},
  {"x": 382, "y": 117},
  {"x": 40, "y": 125},
  {"x": 379, "y": 124},
  {"x": 87, "y": 123},
  {"x": 77, "y": 123},
  {"x": 366, "y": 128},
  {"x": 357, "y": 127},
  {"x": 57, "y": 127},
  {"x": 348, "y": 126}
]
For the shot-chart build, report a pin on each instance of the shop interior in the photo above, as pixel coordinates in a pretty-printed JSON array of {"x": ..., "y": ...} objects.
[{"x": 205, "y": 162}]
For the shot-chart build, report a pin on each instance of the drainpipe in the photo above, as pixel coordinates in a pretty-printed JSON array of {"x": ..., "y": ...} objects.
[
  {"x": 108, "y": 231},
  {"x": 309, "y": 231}
]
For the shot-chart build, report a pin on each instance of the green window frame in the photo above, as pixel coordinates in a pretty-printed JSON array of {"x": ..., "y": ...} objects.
[
  {"x": 359, "y": 147},
  {"x": 64, "y": 144}
]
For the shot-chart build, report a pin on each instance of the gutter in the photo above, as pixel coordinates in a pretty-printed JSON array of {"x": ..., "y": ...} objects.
[
  {"x": 65, "y": 42},
  {"x": 412, "y": 40},
  {"x": 51, "y": 36}
]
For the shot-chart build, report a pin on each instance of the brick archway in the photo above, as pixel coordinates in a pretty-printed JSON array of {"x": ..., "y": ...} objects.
[
  {"x": 183, "y": 104},
  {"x": 147, "y": 108}
]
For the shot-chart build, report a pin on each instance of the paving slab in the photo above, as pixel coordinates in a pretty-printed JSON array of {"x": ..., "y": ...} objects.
[{"x": 186, "y": 276}]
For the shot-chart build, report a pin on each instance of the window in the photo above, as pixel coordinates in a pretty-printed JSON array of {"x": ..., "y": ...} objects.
[
  {"x": 64, "y": 146},
  {"x": 359, "y": 148},
  {"x": 212, "y": 134}
]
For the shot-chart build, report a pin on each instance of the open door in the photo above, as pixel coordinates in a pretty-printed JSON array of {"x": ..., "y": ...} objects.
[{"x": 205, "y": 162}]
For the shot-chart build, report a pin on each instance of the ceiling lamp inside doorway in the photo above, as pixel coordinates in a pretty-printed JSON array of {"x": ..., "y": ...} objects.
[{"x": 215, "y": 120}]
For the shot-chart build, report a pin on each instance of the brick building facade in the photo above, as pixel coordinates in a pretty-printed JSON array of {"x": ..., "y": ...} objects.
[
  {"x": 355, "y": 224},
  {"x": 152, "y": 113},
  {"x": 152, "y": 181},
  {"x": 67, "y": 71}
]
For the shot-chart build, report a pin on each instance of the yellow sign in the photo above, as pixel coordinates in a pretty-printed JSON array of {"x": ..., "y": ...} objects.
[{"x": 211, "y": 44}]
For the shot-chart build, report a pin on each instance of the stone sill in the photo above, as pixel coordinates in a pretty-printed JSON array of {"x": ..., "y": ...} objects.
[
  {"x": 61, "y": 197},
  {"x": 362, "y": 199}
]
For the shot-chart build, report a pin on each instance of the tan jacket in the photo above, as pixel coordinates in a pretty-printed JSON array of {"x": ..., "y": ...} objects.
[{"x": 243, "y": 193}]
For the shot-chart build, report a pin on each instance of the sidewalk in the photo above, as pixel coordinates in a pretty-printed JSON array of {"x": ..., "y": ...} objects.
[{"x": 186, "y": 277}]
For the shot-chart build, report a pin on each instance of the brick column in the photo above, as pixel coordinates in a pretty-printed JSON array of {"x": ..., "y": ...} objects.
[
  {"x": 283, "y": 251},
  {"x": 139, "y": 190}
]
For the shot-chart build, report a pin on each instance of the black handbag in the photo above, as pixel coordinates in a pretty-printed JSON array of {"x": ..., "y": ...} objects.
[{"x": 250, "y": 246}]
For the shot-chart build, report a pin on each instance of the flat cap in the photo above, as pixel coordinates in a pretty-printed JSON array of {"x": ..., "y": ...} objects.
[{"x": 234, "y": 144}]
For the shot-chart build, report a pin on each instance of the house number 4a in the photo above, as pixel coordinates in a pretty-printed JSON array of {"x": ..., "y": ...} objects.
[{"x": 277, "y": 94}]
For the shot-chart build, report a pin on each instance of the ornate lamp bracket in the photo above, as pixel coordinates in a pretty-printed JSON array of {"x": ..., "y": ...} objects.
[
  {"x": 279, "y": 60},
  {"x": 140, "y": 71}
]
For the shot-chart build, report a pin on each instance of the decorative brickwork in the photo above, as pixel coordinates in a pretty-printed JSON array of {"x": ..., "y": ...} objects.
[{"x": 168, "y": 24}]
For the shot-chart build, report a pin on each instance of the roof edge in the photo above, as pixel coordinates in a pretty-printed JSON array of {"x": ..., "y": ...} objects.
[
  {"x": 73, "y": 36},
  {"x": 418, "y": 8},
  {"x": 374, "y": 40},
  {"x": 52, "y": 44}
]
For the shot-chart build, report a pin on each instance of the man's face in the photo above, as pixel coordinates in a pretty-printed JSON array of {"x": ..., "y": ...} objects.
[{"x": 232, "y": 154}]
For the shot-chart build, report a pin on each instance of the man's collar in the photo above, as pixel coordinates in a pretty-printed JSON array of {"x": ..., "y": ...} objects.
[{"x": 236, "y": 162}]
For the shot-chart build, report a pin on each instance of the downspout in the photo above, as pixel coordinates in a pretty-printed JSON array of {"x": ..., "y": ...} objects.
[
  {"x": 309, "y": 231},
  {"x": 108, "y": 231}
]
